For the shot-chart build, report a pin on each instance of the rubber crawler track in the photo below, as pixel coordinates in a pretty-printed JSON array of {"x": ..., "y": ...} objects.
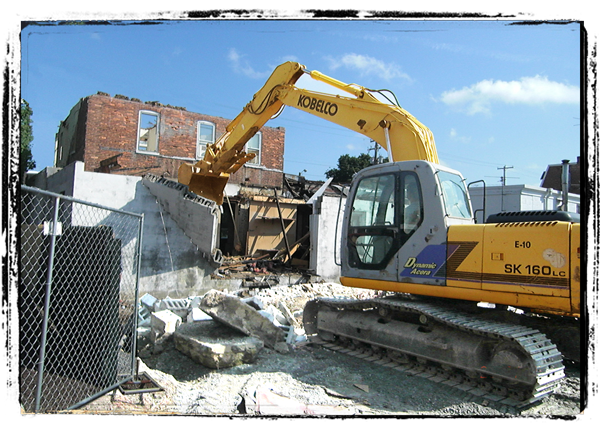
[{"x": 547, "y": 358}]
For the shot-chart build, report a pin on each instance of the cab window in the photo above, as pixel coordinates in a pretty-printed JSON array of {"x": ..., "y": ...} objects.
[
  {"x": 454, "y": 193},
  {"x": 413, "y": 203},
  {"x": 372, "y": 237}
]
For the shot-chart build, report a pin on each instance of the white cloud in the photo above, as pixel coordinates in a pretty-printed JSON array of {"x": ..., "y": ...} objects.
[
  {"x": 368, "y": 66},
  {"x": 456, "y": 137},
  {"x": 242, "y": 66},
  {"x": 288, "y": 58},
  {"x": 528, "y": 90},
  {"x": 307, "y": 83}
]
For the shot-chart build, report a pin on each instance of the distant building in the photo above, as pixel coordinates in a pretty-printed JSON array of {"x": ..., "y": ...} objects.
[
  {"x": 515, "y": 198},
  {"x": 552, "y": 177}
]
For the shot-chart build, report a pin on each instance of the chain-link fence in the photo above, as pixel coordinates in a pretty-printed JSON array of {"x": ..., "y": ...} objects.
[{"x": 78, "y": 295}]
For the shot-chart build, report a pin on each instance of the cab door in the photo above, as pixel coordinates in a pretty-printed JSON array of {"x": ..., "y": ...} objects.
[
  {"x": 373, "y": 230},
  {"x": 385, "y": 212}
]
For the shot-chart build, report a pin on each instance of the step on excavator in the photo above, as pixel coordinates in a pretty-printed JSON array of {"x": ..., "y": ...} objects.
[{"x": 490, "y": 308}]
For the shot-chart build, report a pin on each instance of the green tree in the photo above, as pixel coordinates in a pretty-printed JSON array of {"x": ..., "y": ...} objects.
[
  {"x": 347, "y": 167},
  {"x": 26, "y": 161}
]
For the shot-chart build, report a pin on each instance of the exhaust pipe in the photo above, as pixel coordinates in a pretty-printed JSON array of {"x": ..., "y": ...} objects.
[{"x": 565, "y": 185}]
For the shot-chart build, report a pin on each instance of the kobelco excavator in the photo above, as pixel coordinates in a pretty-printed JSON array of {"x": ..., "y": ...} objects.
[{"x": 408, "y": 229}]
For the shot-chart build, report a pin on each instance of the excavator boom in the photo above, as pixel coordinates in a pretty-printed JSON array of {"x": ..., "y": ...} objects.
[{"x": 363, "y": 112}]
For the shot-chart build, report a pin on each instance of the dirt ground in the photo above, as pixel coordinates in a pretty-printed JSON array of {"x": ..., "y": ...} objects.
[{"x": 312, "y": 380}]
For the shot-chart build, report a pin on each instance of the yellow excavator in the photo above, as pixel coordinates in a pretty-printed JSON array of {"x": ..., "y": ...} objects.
[{"x": 477, "y": 306}]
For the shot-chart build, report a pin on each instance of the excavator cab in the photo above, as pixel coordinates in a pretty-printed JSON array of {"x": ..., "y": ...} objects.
[{"x": 394, "y": 212}]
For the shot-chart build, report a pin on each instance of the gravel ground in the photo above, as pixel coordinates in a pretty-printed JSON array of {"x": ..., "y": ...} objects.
[{"x": 312, "y": 380}]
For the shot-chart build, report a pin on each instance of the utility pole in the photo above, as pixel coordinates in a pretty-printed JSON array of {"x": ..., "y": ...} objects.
[
  {"x": 503, "y": 177},
  {"x": 376, "y": 154},
  {"x": 504, "y": 168}
]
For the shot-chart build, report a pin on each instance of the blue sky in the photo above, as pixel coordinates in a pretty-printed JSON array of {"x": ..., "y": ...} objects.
[{"x": 494, "y": 93}]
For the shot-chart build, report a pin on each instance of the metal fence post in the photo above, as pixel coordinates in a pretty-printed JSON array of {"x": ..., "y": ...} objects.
[
  {"x": 48, "y": 293},
  {"x": 134, "y": 367}
]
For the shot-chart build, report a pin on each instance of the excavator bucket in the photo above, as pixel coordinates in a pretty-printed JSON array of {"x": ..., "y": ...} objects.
[{"x": 211, "y": 187}]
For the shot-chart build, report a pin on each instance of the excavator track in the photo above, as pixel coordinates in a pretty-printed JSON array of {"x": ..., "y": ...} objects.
[{"x": 505, "y": 363}]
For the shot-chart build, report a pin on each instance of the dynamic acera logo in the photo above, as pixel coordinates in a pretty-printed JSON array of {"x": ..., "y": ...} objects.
[
  {"x": 321, "y": 106},
  {"x": 420, "y": 268}
]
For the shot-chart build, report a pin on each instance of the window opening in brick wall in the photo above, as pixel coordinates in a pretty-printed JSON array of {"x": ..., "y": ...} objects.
[
  {"x": 254, "y": 145},
  {"x": 206, "y": 135},
  {"x": 148, "y": 132}
]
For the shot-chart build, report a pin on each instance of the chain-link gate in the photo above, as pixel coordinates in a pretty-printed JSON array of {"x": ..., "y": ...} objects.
[{"x": 78, "y": 295}]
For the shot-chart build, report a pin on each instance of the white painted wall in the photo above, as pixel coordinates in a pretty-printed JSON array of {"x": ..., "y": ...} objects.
[
  {"x": 171, "y": 265},
  {"x": 323, "y": 237}
]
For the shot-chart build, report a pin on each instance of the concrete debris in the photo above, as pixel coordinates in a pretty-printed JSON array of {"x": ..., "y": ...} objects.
[
  {"x": 143, "y": 317},
  {"x": 214, "y": 345},
  {"x": 197, "y": 314},
  {"x": 148, "y": 302},
  {"x": 165, "y": 322},
  {"x": 177, "y": 306},
  {"x": 275, "y": 316},
  {"x": 288, "y": 315},
  {"x": 231, "y": 311},
  {"x": 254, "y": 301},
  {"x": 362, "y": 387},
  {"x": 263, "y": 400},
  {"x": 272, "y": 315}
]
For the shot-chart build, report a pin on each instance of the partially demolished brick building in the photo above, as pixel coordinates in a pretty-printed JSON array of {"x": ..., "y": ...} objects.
[
  {"x": 118, "y": 135},
  {"x": 106, "y": 141}
]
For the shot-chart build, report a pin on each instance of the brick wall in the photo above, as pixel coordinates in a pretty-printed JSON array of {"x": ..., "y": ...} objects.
[{"x": 111, "y": 126}]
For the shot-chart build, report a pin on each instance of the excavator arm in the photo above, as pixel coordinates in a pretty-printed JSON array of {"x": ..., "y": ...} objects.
[{"x": 396, "y": 130}]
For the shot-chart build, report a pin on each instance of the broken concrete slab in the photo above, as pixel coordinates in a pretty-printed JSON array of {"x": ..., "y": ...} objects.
[
  {"x": 295, "y": 335},
  {"x": 231, "y": 311},
  {"x": 165, "y": 322},
  {"x": 254, "y": 301},
  {"x": 263, "y": 400},
  {"x": 216, "y": 346},
  {"x": 197, "y": 314},
  {"x": 274, "y": 315},
  {"x": 289, "y": 316},
  {"x": 195, "y": 301}
]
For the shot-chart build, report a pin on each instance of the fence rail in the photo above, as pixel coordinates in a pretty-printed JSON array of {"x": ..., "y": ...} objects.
[{"x": 78, "y": 290}]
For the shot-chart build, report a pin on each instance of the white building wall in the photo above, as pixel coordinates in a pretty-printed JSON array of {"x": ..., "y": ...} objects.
[
  {"x": 325, "y": 243},
  {"x": 514, "y": 198}
]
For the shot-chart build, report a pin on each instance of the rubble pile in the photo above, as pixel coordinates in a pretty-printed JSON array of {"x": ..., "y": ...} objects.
[
  {"x": 237, "y": 379},
  {"x": 220, "y": 330}
]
